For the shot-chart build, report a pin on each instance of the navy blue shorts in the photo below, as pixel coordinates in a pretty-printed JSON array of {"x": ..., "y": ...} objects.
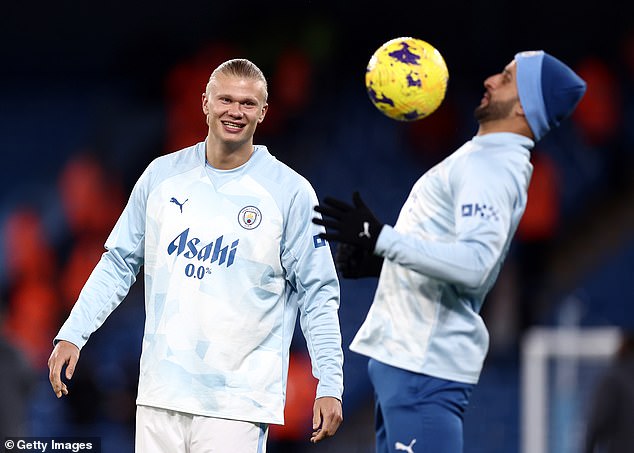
[{"x": 417, "y": 413}]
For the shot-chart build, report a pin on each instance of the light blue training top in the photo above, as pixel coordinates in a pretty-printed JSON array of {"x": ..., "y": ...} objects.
[
  {"x": 229, "y": 257},
  {"x": 442, "y": 258}
]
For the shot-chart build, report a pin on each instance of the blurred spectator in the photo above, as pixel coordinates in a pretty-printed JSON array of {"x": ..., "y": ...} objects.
[
  {"x": 599, "y": 112},
  {"x": 92, "y": 196},
  {"x": 541, "y": 218},
  {"x": 300, "y": 392},
  {"x": 32, "y": 317},
  {"x": 28, "y": 253},
  {"x": 292, "y": 82},
  {"x": 32, "y": 314},
  {"x": 82, "y": 257},
  {"x": 18, "y": 380},
  {"x": 611, "y": 420},
  {"x": 536, "y": 233}
]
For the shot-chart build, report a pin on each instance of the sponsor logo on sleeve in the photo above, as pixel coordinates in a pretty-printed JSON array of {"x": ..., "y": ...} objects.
[
  {"x": 318, "y": 242},
  {"x": 479, "y": 210}
]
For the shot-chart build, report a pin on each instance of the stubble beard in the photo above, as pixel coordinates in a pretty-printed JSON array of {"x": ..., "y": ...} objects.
[{"x": 494, "y": 110}]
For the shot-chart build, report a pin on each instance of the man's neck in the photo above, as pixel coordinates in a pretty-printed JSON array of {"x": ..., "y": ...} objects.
[
  {"x": 226, "y": 158},
  {"x": 515, "y": 127}
]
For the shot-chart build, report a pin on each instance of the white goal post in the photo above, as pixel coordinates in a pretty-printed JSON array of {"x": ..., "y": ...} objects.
[{"x": 567, "y": 348}]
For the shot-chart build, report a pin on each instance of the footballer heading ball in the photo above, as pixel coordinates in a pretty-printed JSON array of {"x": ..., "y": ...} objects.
[{"x": 406, "y": 79}]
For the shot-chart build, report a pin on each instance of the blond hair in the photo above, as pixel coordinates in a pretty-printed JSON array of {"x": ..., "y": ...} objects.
[{"x": 239, "y": 67}]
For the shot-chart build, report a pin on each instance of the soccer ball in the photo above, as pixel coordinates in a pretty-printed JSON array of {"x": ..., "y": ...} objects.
[{"x": 406, "y": 79}]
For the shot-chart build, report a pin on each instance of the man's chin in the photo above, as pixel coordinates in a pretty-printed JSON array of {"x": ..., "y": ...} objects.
[{"x": 481, "y": 114}]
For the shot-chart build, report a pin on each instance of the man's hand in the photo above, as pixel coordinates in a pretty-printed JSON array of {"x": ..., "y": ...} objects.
[
  {"x": 64, "y": 353},
  {"x": 348, "y": 224},
  {"x": 327, "y": 416},
  {"x": 353, "y": 261}
]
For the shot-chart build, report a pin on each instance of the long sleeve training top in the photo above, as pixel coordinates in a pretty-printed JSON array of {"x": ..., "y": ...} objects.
[
  {"x": 443, "y": 256},
  {"x": 229, "y": 259}
]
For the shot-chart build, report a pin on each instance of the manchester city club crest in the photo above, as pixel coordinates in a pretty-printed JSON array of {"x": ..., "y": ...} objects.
[{"x": 249, "y": 217}]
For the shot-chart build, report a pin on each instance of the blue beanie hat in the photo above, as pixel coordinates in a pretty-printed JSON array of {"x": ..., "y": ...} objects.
[{"x": 549, "y": 90}]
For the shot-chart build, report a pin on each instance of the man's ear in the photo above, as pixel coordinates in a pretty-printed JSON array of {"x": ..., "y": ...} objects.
[
  {"x": 205, "y": 104},
  {"x": 265, "y": 109},
  {"x": 525, "y": 127},
  {"x": 518, "y": 109}
]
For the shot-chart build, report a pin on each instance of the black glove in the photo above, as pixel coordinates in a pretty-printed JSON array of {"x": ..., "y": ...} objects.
[
  {"x": 353, "y": 261},
  {"x": 348, "y": 224}
]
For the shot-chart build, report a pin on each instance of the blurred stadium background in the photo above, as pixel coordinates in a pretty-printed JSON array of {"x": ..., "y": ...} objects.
[{"x": 90, "y": 93}]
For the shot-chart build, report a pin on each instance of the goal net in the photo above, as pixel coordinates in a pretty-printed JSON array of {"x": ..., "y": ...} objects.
[{"x": 559, "y": 370}]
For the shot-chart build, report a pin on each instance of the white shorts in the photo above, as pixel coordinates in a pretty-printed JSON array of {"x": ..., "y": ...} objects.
[{"x": 167, "y": 431}]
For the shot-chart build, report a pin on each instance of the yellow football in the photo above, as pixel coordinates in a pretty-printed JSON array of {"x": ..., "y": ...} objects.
[{"x": 406, "y": 79}]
